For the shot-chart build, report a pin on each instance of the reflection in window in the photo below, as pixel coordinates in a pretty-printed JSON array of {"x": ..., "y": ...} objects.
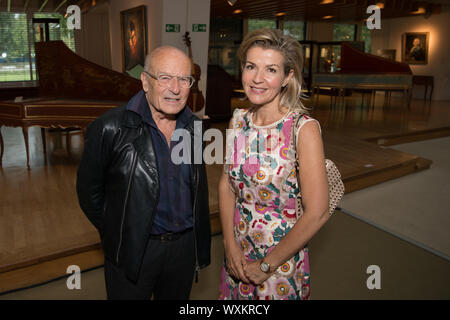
[
  {"x": 344, "y": 32},
  {"x": 365, "y": 36},
  {"x": 59, "y": 31},
  {"x": 295, "y": 29},
  {"x": 224, "y": 40}
]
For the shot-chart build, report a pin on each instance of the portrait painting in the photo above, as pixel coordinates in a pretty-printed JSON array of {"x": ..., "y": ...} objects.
[
  {"x": 415, "y": 47},
  {"x": 134, "y": 37}
]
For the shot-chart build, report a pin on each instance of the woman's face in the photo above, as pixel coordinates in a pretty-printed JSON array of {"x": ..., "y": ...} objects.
[{"x": 263, "y": 76}]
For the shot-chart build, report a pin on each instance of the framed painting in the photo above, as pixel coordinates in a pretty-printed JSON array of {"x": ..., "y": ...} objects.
[
  {"x": 134, "y": 37},
  {"x": 415, "y": 47}
]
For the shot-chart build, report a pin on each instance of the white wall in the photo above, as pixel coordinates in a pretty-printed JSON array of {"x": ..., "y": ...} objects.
[
  {"x": 390, "y": 37},
  {"x": 159, "y": 13},
  {"x": 154, "y": 22},
  {"x": 186, "y": 13},
  {"x": 92, "y": 41}
]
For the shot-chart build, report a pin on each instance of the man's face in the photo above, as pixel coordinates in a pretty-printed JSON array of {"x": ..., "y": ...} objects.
[
  {"x": 171, "y": 98},
  {"x": 416, "y": 42}
]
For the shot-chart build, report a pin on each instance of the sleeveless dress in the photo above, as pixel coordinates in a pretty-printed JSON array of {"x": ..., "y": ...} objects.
[{"x": 261, "y": 171}]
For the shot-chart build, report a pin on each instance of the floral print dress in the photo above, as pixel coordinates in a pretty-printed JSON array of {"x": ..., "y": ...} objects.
[{"x": 261, "y": 171}]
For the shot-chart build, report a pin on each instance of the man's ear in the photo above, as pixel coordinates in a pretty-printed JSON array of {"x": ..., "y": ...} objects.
[
  {"x": 144, "y": 82},
  {"x": 288, "y": 78}
]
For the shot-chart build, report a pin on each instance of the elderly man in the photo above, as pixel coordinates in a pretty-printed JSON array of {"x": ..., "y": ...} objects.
[{"x": 152, "y": 214}]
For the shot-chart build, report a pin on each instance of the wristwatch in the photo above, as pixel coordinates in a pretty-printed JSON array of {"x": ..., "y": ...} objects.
[{"x": 264, "y": 267}]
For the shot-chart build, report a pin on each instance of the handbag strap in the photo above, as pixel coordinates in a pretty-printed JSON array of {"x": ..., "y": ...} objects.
[{"x": 294, "y": 130}]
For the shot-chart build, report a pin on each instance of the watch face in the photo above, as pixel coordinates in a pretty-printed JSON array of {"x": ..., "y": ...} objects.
[{"x": 264, "y": 267}]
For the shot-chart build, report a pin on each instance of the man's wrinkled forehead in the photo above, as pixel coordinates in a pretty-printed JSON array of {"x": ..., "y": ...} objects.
[{"x": 168, "y": 59}]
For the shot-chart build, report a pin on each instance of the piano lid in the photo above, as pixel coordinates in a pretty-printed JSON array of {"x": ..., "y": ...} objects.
[
  {"x": 355, "y": 61},
  {"x": 62, "y": 73}
]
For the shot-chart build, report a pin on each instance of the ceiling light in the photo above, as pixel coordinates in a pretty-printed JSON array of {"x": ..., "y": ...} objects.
[
  {"x": 279, "y": 14},
  {"x": 231, "y": 2},
  {"x": 237, "y": 11},
  {"x": 326, "y": 1},
  {"x": 327, "y": 17}
]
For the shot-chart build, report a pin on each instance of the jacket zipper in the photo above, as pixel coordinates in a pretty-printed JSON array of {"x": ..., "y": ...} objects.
[
  {"x": 196, "y": 180},
  {"x": 197, "y": 267},
  {"x": 126, "y": 200},
  {"x": 152, "y": 218}
]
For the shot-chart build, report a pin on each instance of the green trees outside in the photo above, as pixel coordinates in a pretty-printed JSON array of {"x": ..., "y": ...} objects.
[{"x": 16, "y": 55}]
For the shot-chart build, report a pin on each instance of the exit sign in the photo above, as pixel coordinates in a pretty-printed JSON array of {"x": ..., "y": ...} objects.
[
  {"x": 172, "y": 28},
  {"x": 199, "y": 27}
]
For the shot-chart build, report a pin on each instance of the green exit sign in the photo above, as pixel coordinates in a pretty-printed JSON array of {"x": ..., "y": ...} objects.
[
  {"x": 198, "y": 27},
  {"x": 172, "y": 28}
]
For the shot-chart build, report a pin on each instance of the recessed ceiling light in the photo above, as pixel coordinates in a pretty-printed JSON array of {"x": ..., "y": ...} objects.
[
  {"x": 237, "y": 11},
  {"x": 326, "y": 1},
  {"x": 327, "y": 17},
  {"x": 279, "y": 14}
]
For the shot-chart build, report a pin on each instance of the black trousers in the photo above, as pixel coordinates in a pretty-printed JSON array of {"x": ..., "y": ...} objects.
[{"x": 166, "y": 274}]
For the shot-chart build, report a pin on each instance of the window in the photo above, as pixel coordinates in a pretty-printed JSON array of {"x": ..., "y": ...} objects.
[
  {"x": 58, "y": 31},
  {"x": 254, "y": 24},
  {"x": 344, "y": 32},
  {"x": 17, "y": 33},
  {"x": 224, "y": 39},
  {"x": 14, "y": 49},
  {"x": 365, "y": 36},
  {"x": 295, "y": 28}
]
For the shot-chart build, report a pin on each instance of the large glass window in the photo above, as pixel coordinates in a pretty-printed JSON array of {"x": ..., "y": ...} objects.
[
  {"x": 295, "y": 28},
  {"x": 365, "y": 36},
  {"x": 344, "y": 32},
  {"x": 17, "y": 58},
  {"x": 254, "y": 24},
  {"x": 14, "y": 49},
  {"x": 224, "y": 39},
  {"x": 58, "y": 31}
]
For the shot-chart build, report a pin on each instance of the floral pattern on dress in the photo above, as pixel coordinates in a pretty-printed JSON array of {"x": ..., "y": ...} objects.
[{"x": 265, "y": 182}]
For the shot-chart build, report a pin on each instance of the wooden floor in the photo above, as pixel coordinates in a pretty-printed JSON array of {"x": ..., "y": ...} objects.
[{"x": 41, "y": 224}]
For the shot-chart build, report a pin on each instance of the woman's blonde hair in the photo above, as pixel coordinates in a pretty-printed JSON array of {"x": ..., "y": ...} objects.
[{"x": 292, "y": 53}]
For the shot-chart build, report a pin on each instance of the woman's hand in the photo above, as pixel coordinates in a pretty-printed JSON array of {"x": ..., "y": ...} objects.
[
  {"x": 235, "y": 260},
  {"x": 253, "y": 272}
]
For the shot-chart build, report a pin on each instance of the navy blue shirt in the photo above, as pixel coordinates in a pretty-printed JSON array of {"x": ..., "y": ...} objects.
[{"x": 174, "y": 209}]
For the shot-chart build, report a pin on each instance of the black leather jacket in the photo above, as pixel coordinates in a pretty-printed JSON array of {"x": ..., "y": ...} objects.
[{"x": 118, "y": 189}]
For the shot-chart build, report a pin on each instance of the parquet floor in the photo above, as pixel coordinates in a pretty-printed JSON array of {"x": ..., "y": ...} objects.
[{"x": 40, "y": 220}]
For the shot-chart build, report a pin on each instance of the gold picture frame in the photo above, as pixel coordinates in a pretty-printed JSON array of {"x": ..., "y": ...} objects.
[{"x": 415, "y": 47}]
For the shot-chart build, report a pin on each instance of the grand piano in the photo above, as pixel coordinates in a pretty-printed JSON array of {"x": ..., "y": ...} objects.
[
  {"x": 72, "y": 93},
  {"x": 366, "y": 72}
]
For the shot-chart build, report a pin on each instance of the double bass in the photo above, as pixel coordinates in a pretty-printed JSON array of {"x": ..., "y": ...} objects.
[{"x": 196, "y": 101}]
